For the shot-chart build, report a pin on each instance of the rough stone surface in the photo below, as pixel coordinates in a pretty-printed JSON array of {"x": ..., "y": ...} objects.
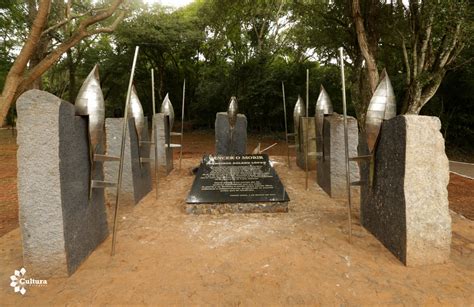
[
  {"x": 331, "y": 167},
  {"x": 59, "y": 226},
  {"x": 221, "y": 208},
  {"x": 307, "y": 125},
  {"x": 136, "y": 176},
  {"x": 408, "y": 208},
  {"x": 223, "y": 142},
  {"x": 163, "y": 138},
  {"x": 364, "y": 170}
]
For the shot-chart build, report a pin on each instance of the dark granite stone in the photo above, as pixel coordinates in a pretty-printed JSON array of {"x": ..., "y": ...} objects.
[
  {"x": 59, "y": 226},
  {"x": 163, "y": 140},
  {"x": 136, "y": 177},
  {"x": 384, "y": 213},
  {"x": 407, "y": 206},
  {"x": 364, "y": 171},
  {"x": 223, "y": 138},
  {"x": 331, "y": 167},
  {"x": 236, "y": 179},
  {"x": 307, "y": 126}
]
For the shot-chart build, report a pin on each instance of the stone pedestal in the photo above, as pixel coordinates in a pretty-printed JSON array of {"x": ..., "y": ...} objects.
[
  {"x": 136, "y": 176},
  {"x": 408, "y": 206},
  {"x": 223, "y": 138},
  {"x": 307, "y": 126},
  {"x": 331, "y": 166},
  {"x": 163, "y": 141},
  {"x": 59, "y": 227}
]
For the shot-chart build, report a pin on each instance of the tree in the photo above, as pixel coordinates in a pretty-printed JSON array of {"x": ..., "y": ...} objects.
[
  {"x": 431, "y": 36},
  {"x": 28, "y": 67}
]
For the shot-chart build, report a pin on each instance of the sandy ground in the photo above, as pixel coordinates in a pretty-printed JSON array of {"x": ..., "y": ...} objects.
[
  {"x": 166, "y": 257},
  {"x": 461, "y": 190}
]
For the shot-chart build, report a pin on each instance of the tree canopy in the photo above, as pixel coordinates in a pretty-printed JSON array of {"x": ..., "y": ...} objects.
[{"x": 227, "y": 48}]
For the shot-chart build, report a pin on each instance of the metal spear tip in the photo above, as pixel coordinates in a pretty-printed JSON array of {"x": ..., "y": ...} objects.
[
  {"x": 382, "y": 107},
  {"x": 323, "y": 107},
  {"x": 136, "y": 110},
  {"x": 90, "y": 102},
  {"x": 323, "y": 104},
  {"x": 167, "y": 109},
  {"x": 298, "y": 112},
  {"x": 96, "y": 71},
  {"x": 232, "y": 111}
]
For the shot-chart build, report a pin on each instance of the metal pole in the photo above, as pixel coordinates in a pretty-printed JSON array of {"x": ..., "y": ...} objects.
[
  {"x": 182, "y": 125},
  {"x": 346, "y": 143},
  {"x": 307, "y": 92},
  {"x": 122, "y": 148},
  {"x": 286, "y": 125},
  {"x": 307, "y": 128},
  {"x": 154, "y": 134}
]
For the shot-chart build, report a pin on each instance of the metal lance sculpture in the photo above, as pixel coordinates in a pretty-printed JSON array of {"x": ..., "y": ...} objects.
[
  {"x": 122, "y": 149},
  {"x": 90, "y": 102},
  {"x": 232, "y": 112},
  {"x": 167, "y": 109},
  {"x": 136, "y": 111},
  {"x": 382, "y": 107},
  {"x": 298, "y": 112},
  {"x": 286, "y": 124},
  {"x": 323, "y": 107},
  {"x": 346, "y": 142}
]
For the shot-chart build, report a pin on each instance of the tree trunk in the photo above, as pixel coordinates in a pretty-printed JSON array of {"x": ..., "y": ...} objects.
[
  {"x": 418, "y": 94},
  {"x": 15, "y": 75},
  {"x": 365, "y": 48},
  {"x": 19, "y": 79}
]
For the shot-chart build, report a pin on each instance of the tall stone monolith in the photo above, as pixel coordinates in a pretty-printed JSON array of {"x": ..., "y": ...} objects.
[
  {"x": 224, "y": 144},
  {"x": 60, "y": 227},
  {"x": 163, "y": 141},
  {"x": 136, "y": 177},
  {"x": 306, "y": 134},
  {"x": 407, "y": 209},
  {"x": 331, "y": 165}
]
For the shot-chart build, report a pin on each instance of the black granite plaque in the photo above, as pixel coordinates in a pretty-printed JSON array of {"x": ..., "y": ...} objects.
[{"x": 236, "y": 179}]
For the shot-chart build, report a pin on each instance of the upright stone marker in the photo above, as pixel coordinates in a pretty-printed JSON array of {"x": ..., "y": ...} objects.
[
  {"x": 408, "y": 209},
  {"x": 331, "y": 174},
  {"x": 223, "y": 139},
  {"x": 136, "y": 177},
  {"x": 59, "y": 226},
  {"x": 307, "y": 125},
  {"x": 163, "y": 140}
]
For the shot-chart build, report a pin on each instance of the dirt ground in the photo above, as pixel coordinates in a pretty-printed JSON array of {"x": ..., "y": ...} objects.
[
  {"x": 165, "y": 256},
  {"x": 461, "y": 190}
]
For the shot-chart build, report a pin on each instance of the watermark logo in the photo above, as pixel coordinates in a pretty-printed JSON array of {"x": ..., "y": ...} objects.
[{"x": 19, "y": 282}]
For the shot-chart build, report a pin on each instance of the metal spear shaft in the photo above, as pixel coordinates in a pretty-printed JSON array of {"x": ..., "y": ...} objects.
[
  {"x": 154, "y": 132},
  {"x": 307, "y": 128},
  {"x": 286, "y": 125},
  {"x": 346, "y": 143},
  {"x": 182, "y": 125},
  {"x": 122, "y": 148}
]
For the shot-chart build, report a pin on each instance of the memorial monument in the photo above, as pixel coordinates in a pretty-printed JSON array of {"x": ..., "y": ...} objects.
[
  {"x": 238, "y": 184},
  {"x": 231, "y": 131},
  {"x": 136, "y": 179},
  {"x": 404, "y": 203},
  {"x": 331, "y": 173},
  {"x": 60, "y": 223},
  {"x": 164, "y": 122}
]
